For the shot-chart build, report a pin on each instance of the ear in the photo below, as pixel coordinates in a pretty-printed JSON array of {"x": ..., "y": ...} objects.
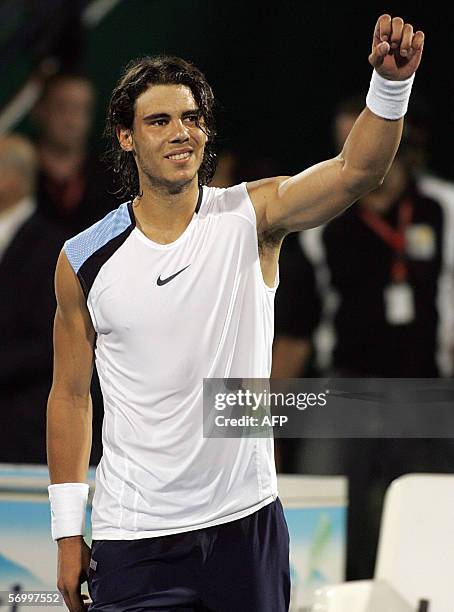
[{"x": 125, "y": 139}]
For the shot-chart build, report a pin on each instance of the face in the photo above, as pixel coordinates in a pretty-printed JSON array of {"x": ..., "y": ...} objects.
[
  {"x": 66, "y": 113},
  {"x": 166, "y": 140}
]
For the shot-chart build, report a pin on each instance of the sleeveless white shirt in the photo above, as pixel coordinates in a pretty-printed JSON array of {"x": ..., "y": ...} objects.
[{"x": 166, "y": 317}]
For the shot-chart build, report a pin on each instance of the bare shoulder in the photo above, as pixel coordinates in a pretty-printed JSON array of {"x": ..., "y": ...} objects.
[
  {"x": 70, "y": 298},
  {"x": 67, "y": 286},
  {"x": 265, "y": 189}
]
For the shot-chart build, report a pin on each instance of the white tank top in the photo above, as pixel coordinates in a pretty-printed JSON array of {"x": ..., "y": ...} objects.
[{"x": 166, "y": 317}]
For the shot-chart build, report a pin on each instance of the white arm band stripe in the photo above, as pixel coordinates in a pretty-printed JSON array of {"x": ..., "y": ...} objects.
[
  {"x": 388, "y": 99},
  {"x": 68, "y": 503}
]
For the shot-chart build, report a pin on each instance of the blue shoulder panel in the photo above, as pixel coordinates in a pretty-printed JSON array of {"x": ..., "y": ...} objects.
[
  {"x": 88, "y": 251},
  {"x": 81, "y": 247}
]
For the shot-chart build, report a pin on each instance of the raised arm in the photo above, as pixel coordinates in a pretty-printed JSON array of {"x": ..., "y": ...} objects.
[
  {"x": 309, "y": 199},
  {"x": 69, "y": 430}
]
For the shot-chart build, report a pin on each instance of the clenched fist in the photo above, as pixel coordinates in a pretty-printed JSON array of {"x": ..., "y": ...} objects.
[{"x": 396, "y": 49}]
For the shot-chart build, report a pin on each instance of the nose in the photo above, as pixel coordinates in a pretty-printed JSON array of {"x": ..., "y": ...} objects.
[{"x": 180, "y": 132}]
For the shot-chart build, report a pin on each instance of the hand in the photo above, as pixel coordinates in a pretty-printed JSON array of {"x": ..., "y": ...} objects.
[
  {"x": 73, "y": 565},
  {"x": 396, "y": 51}
]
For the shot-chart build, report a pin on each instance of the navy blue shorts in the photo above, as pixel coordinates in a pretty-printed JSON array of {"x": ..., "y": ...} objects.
[{"x": 241, "y": 566}]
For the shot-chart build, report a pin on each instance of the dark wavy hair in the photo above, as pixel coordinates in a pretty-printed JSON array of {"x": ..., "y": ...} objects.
[{"x": 138, "y": 75}]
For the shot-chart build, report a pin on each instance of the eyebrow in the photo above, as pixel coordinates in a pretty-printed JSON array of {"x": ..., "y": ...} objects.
[{"x": 155, "y": 116}]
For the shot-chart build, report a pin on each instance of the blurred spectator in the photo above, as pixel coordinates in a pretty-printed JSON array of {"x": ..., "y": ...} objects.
[
  {"x": 235, "y": 166},
  {"x": 74, "y": 187},
  {"x": 226, "y": 170},
  {"x": 297, "y": 314},
  {"x": 29, "y": 247},
  {"x": 416, "y": 155},
  {"x": 386, "y": 273},
  {"x": 355, "y": 273},
  {"x": 399, "y": 237}
]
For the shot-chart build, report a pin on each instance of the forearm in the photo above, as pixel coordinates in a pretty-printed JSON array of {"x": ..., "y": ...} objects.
[
  {"x": 69, "y": 433},
  {"x": 369, "y": 150}
]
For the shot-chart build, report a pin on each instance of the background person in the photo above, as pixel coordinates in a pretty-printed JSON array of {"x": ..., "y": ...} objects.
[
  {"x": 356, "y": 258},
  {"x": 29, "y": 247},
  {"x": 74, "y": 187}
]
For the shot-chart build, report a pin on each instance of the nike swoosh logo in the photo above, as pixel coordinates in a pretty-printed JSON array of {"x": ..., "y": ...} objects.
[{"x": 164, "y": 281}]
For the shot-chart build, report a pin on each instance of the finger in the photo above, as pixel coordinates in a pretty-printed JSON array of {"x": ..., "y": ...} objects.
[
  {"x": 379, "y": 53},
  {"x": 417, "y": 47},
  {"x": 396, "y": 33},
  {"x": 407, "y": 37},
  {"x": 383, "y": 28},
  {"x": 418, "y": 41}
]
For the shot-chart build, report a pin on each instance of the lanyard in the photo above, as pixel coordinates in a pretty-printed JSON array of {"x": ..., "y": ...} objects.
[{"x": 394, "y": 237}]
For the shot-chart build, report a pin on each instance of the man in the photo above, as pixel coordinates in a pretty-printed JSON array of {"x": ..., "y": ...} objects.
[
  {"x": 29, "y": 247},
  {"x": 73, "y": 185},
  {"x": 178, "y": 285}
]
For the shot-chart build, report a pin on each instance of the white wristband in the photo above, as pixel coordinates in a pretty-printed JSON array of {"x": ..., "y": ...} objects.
[
  {"x": 68, "y": 503},
  {"x": 388, "y": 99}
]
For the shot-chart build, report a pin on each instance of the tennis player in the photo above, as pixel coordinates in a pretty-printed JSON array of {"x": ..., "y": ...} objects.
[{"x": 176, "y": 285}]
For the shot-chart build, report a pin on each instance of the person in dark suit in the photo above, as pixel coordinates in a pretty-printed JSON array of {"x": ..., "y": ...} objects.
[
  {"x": 29, "y": 247},
  {"x": 74, "y": 188}
]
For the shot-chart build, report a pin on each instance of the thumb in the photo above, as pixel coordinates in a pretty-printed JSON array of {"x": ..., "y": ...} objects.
[{"x": 379, "y": 53}]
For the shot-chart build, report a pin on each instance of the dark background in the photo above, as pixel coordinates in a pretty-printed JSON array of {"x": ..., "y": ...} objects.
[{"x": 278, "y": 69}]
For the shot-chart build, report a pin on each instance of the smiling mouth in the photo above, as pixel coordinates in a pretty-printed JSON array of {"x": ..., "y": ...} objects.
[{"x": 180, "y": 156}]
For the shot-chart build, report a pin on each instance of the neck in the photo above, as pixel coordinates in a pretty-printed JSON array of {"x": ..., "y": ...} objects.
[{"x": 162, "y": 212}]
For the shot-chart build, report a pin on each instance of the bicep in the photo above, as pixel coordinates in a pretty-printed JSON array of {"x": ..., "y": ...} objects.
[
  {"x": 74, "y": 335},
  {"x": 307, "y": 199}
]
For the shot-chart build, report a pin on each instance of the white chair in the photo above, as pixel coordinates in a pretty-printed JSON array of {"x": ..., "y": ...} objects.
[
  {"x": 360, "y": 596},
  {"x": 415, "y": 555}
]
